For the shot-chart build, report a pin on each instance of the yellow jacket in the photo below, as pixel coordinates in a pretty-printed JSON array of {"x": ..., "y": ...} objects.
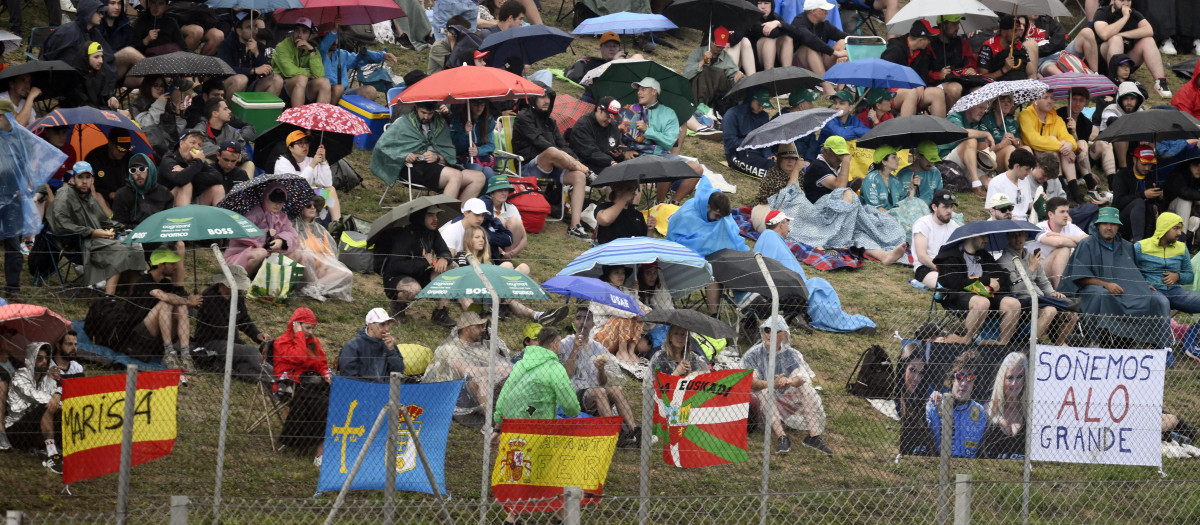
[{"x": 1043, "y": 137}]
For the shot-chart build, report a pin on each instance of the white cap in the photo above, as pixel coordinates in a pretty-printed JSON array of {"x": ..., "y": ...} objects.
[
  {"x": 999, "y": 200},
  {"x": 474, "y": 205},
  {"x": 809, "y": 5},
  {"x": 780, "y": 324},
  {"x": 305, "y": 21},
  {"x": 378, "y": 315}
]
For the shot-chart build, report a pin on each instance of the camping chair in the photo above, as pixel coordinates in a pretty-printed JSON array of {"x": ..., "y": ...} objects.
[
  {"x": 64, "y": 253},
  {"x": 860, "y": 47},
  {"x": 37, "y": 38},
  {"x": 505, "y": 156},
  {"x": 408, "y": 182},
  {"x": 280, "y": 398},
  {"x": 864, "y": 16}
]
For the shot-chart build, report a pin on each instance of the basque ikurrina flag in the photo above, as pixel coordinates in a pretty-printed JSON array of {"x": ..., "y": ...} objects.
[{"x": 702, "y": 419}]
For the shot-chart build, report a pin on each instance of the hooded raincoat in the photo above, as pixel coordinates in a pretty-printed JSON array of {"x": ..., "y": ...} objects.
[
  {"x": 239, "y": 249},
  {"x": 536, "y": 131},
  {"x": 824, "y": 306},
  {"x": 73, "y": 213},
  {"x": 536, "y": 388},
  {"x": 327, "y": 277},
  {"x": 1153, "y": 259},
  {"x": 1139, "y": 313},
  {"x": 297, "y": 352},
  {"x": 1187, "y": 99},
  {"x": 29, "y": 388}
]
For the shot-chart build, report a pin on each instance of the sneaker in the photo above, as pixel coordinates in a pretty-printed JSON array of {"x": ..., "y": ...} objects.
[
  {"x": 1196, "y": 46},
  {"x": 4, "y": 443},
  {"x": 54, "y": 463},
  {"x": 1168, "y": 48},
  {"x": 783, "y": 445},
  {"x": 1192, "y": 352},
  {"x": 1160, "y": 85},
  {"x": 26, "y": 248},
  {"x": 709, "y": 133},
  {"x": 552, "y": 316},
  {"x": 817, "y": 443},
  {"x": 185, "y": 359},
  {"x": 317, "y": 461},
  {"x": 441, "y": 317},
  {"x": 591, "y": 177},
  {"x": 579, "y": 233},
  {"x": 404, "y": 42},
  {"x": 171, "y": 360}
]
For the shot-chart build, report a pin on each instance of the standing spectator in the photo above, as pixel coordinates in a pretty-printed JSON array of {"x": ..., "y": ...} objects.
[
  {"x": 21, "y": 92},
  {"x": 188, "y": 175},
  {"x": 968, "y": 417},
  {"x": 929, "y": 233},
  {"x": 813, "y": 33},
  {"x": 1120, "y": 29},
  {"x": 537, "y": 139},
  {"x": 1003, "y": 57},
  {"x": 408, "y": 260},
  {"x": 300, "y": 65},
  {"x": 314, "y": 169},
  {"x": 372, "y": 355},
  {"x": 252, "y": 67},
  {"x": 913, "y": 51},
  {"x": 302, "y": 367},
  {"x": 712, "y": 70},
  {"x": 1136, "y": 192},
  {"x": 157, "y": 33},
  {"x": 34, "y": 405},
  {"x": 596, "y": 137},
  {"x": 212, "y": 327},
  {"x": 422, "y": 139},
  {"x": 794, "y": 392},
  {"x": 1044, "y": 131},
  {"x": 738, "y": 122}
]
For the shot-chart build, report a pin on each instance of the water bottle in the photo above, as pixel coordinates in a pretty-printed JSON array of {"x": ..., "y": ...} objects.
[{"x": 916, "y": 284}]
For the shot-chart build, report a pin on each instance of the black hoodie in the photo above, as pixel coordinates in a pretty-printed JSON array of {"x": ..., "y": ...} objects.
[
  {"x": 593, "y": 142},
  {"x": 65, "y": 42},
  {"x": 97, "y": 86},
  {"x": 536, "y": 131}
]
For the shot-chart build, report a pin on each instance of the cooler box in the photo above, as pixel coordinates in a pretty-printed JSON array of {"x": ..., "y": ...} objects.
[
  {"x": 530, "y": 202},
  {"x": 370, "y": 111},
  {"x": 258, "y": 109}
]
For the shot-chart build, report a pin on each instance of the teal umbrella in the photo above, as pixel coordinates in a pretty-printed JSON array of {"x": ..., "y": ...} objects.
[
  {"x": 617, "y": 80},
  {"x": 464, "y": 283},
  {"x": 192, "y": 223}
]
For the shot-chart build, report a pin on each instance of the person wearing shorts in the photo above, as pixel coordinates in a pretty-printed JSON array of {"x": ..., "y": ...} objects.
[
  {"x": 584, "y": 360},
  {"x": 418, "y": 145},
  {"x": 972, "y": 281}
]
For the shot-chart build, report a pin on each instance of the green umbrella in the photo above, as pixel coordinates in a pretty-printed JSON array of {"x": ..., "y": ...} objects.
[
  {"x": 617, "y": 82},
  {"x": 401, "y": 215},
  {"x": 463, "y": 283},
  {"x": 193, "y": 223}
]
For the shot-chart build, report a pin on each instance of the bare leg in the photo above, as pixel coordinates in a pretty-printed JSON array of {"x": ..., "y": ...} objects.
[
  {"x": 1011, "y": 310},
  {"x": 977, "y": 313},
  {"x": 598, "y": 397},
  {"x": 334, "y": 204},
  {"x": 889, "y": 257},
  {"x": 1145, "y": 51},
  {"x": 531, "y": 12},
  {"x": 179, "y": 317},
  {"x": 1085, "y": 42},
  {"x": 1055, "y": 263},
  {"x": 192, "y": 34},
  {"x": 212, "y": 195},
  {"x": 1067, "y": 161},
  {"x": 47, "y": 422},
  {"x": 319, "y": 90},
  {"x": 934, "y": 100},
  {"x": 578, "y": 182},
  {"x": 157, "y": 321},
  {"x": 616, "y": 394},
  {"x": 297, "y": 86},
  {"x": 1067, "y": 327},
  {"x": 183, "y": 194},
  {"x": 713, "y": 294},
  {"x": 908, "y": 100},
  {"x": 953, "y": 92},
  {"x": 520, "y": 237},
  {"x": 124, "y": 60},
  {"x": 236, "y": 84},
  {"x": 930, "y": 280},
  {"x": 212, "y": 41},
  {"x": 786, "y": 48},
  {"x": 473, "y": 182},
  {"x": 180, "y": 270},
  {"x": 336, "y": 91},
  {"x": 254, "y": 259},
  {"x": 1046, "y": 316},
  {"x": 271, "y": 84},
  {"x": 449, "y": 182},
  {"x": 1031, "y": 65},
  {"x": 766, "y": 51}
]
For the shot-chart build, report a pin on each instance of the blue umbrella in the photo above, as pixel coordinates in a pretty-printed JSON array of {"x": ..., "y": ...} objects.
[
  {"x": 874, "y": 73},
  {"x": 624, "y": 23},
  {"x": 682, "y": 270},
  {"x": 592, "y": 289},
  {"x": 977, "y": 228},
  {"x": 529, "y": 43}
]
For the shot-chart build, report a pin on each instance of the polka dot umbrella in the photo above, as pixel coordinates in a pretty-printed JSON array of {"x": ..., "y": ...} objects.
[
  {"x": 181, "y": 64},
  {"x": 249, "y": 194}
]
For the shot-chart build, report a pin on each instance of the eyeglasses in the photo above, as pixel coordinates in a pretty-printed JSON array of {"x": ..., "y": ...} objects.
[
  {"x": 964, "y": 377},
  {"x": 138, "y": 169}
]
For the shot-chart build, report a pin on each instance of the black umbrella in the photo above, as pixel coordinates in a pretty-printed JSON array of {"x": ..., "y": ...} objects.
[
  {"x": 779, "y": 81},
  {"x": 788, "y": 128},
  {"x": 531, "y": 43},
  {"x": 401, "y": 215},
  {"x": 647, "y": 168},
  {"x": 269, "y": 145},
  {"x": 1152, "y": 126},
  {"x": 692, "y": 321},
  {"x": 54, "y": 77},
  {"x": 909, "y": 132},
  {"x": 734, "y": 15},
  {"x": 738, "y": 270},
  {"x": 1184, "y": 69},
  {"x": 181, "y": 64}
]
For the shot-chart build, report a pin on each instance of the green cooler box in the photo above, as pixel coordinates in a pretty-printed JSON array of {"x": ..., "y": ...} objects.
[{"x": 257, "y": 109}]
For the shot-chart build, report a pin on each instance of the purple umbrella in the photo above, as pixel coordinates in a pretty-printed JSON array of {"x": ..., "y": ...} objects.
[
  {"x": 592, "y": 289},
  {"x": 1062, "y": 84}
]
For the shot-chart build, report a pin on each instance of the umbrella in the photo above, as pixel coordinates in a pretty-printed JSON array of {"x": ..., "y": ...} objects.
[
  {"x": 911, "y": 131},
  {"x": 1063, "y": 83},
  {"x": 735, "y": 15},
  {"x": 1022, "y": 91},
  {"x": 459, "y": 84},
  {"x": 592, "y": 289},
  {"x": 738, "y": 270},
  {"x": 90, "y": 127},
  {"x": 54, "y": 77},
  {"x": 255, "y": 5},
  {"x": 788, "y": 128},
  {"x": 692, "y": 321},
  {"x": 350, "y": 12},
  {"x": 1152, "y": 126},
  {"x": 977, "y": 228},
  {"x": 646, "y": 169},
  {"x": 248, "y": 195},
  {"x": 779, "y": 81},
  {"x": 624, "y": 23},
  {"x": 463, "y": 283},
  {"x": 324, "y": 118},
  {"x": 399, "y": 216},
  {"x": 1028, "y": 7},
  {"x": 181, "y": 64},
  {"x": 1184, "y": 69},
  {"x": 531, "y": 43},
  {"x": 11, "y": 42},
  {"x": 874, "y": 73},
  {"x": 976, "y": 15},
  {"x": 192, "y": 223},
  {"x": 617, "y": 82},
  {"x": 34, "y": 323},
  {"x": 267, "y": 145},
  {"x": 681, "y": 269}
]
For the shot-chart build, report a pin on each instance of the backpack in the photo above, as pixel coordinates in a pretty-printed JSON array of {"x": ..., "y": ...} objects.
[
  {"x": 99, "y": 321},
  {"x": 1069, "y": 63},
  {"x": 345, "y": 177},
  {"x": 873, "y": 375}
]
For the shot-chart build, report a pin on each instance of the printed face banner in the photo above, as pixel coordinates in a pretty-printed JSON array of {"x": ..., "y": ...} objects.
[{"x": 538, "y": 457}]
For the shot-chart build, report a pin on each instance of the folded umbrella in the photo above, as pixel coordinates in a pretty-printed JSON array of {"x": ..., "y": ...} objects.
[
  {"x": 530, "y": 43},
  {"x": 909, "y": 132},
  {"x": 646, "y": 169},
  {"x": 592, "y": 289},
  {"x": 624, "y": 23},
  {"x": 779, "y": 81},
  {"x": 788, "y": 128},
  {"x": 1152, "y": 126},
  {"x": 692, "y": 321},
  {"x": 1022, "y": 91},
  {"x": 181, "y": 64},
  {"x": 402, "y": 215},
  {"x": 874, "y": 73},
  {"x": 681, "y": 269}
]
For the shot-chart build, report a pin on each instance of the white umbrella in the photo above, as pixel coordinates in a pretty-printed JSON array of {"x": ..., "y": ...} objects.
[
  {"x": 1028, "y": 7},
  {"x": 976, "y": 16},
  {"x": 1023, "y": 91}
]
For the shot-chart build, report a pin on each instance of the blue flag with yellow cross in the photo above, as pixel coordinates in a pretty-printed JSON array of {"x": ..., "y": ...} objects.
[{"x": 353, "y": 407}]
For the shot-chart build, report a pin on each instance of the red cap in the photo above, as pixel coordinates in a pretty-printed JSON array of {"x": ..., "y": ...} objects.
[
  {"x": 1145, "y": 153},
  {"x": 721, "y": 36},
  {"x": 481, "y": 54}
]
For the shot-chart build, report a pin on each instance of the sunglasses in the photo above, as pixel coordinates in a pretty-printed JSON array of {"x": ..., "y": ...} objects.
[
  {"x": 964, "y": 377},
  {"x": 137, "y": 169},
  {"x": 1005, "y": 209},
  {"x": 310, "y": 205}
]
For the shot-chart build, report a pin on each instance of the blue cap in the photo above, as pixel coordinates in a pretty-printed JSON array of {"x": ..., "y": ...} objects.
[{"x": 81, "y": 167}]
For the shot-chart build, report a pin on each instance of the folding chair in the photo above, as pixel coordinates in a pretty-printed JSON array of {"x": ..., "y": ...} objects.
[
  {"x": 864, "y": 16},
  {"x": 64, "y": 252},
  {"x": 506, "y": 158},
  {"x": 408, "y": 182},
  {"x": 860, "y": 47},
  {"x": 280, "y": 398},
  {"x": 37, "y": 38}
]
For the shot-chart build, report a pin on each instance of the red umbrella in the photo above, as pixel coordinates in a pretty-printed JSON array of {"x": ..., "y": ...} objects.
[
  {"x": 32, "y": 322},
  {"x": 324, "y": 117},
  {"x": 457, "y": 85},
  {"x": 351, "y": 12}
]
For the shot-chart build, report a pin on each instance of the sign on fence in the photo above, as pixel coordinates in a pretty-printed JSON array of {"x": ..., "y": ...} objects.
[
  {"x": 538, "y": 457},
  {"x": 1100, "y": 406},
  {"x": 702, "y": 419}
]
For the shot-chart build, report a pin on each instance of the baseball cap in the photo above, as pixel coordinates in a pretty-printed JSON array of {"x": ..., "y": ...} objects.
[
  {"x": 1000, "y": 200},
  {"x": 231, "y": 146},
  {"x": 6, "y": 106},
  {"x": 775, "y": 217},
  {"x": 949, "y": 18},
  {"x": 480, "y": 55},
  {"x": 531, "y": 331},
  {"x": 877, "y": 95},
  {"x": 163, "y": 255},
  {"x": 305, "y": 21},
  {"x": 720, "y": 36},
  {"x": 883, "y": 151},
  {"x": 844, "y": 94},
  {"x": 82, "y": 167},
  {"x": 609, "y": 36},
  {"x": 806, "y": 95},
  {"x": 498, "y": 183},
  {"x": 809, "y": 5},
  {"x": 294, "y": 136},
  {"x": 648, "y": 82},
  {"x": 837, "y": 145},
  {"x": 944, "y": 196},
  {"x": 763, "y": 97},
  {"x": 94, "y": 47},
  {"x": 929, "y": 150},
  {"x": 1143, "y": 153},
  {"x": 921, "y": 28},
  {"x": 122, "y": 138},
  {"x": 611, "y": 105},
  {"x": 1007, "y": 21},
  {"x": 379, "y": 315},
  {"x": 474, "y": 205}
]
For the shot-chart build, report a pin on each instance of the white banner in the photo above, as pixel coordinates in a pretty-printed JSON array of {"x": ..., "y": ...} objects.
[{"x": 1096, "y": 405}]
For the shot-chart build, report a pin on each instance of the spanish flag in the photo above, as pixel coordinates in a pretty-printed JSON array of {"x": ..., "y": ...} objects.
[
  {"x": 538, "y": 457},
  {"x": 93, "y": 414}
]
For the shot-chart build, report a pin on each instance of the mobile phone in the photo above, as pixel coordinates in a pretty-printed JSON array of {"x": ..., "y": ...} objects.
[{"x": 1037, "y": 251}]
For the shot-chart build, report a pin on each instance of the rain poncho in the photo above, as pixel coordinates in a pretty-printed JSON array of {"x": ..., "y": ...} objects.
[
  {"x": 26, "y": 163},
  {"x": 536, "y": 388},
  {"x": 1140, "y": 313},
  {"x": 472, "y": 357},
  {"x": 27, "y": 389},
  {"x": 316, "y": 251},
  {"x": 404, "y": 136},
  {"x": 834, "y": 223},
  {"x": 75, "y": 214},
  {"x": 297, "y": 352},
  {"x": 239, "y": 249},
  {"x": 690, "y": 226},
  {"x": 824, "y": 306}
]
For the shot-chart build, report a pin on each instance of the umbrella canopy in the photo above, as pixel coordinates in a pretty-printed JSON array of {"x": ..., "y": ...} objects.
[
  {"x": 530, "y": 43},
  {"x": 738, "y": 270},
  {"x": 324, "y": 117},
  {"x": 90, "y": 127},
  {"x": 192, "y": 223},
  {"x": 874, "y": 73},
  {"x": 257, "y": 5},
  {"x": 646, "y": 168},
  {"x": 978, "y": 228},
  {"x": 734, "y": 15},
  {"x": 911, "y": 131},
  {"x": 592, "y": 289},
  {"x": 617, "y": 82},
  {"x": 779, "y": 81},
  {"x": 269, "y": 143},
  {"x": 181, "y": 64},
  {"x": 11, "y": 42},
  {"x": 54, "y": 77},
  {"x": 692, "y": 321},
  {"x": 1184, "y": 69},
  {"x": 788, "y": 128},
  {"x": 976, "y": 16},
  {"x": 1022, "y": 91},
  {"x": 1028, "y": 7},
  {"x": 1063, "y": 83},
  {"x": 249, "y": 194},
  {"x": 1152, "y": 126},
  {"x": 34, "y": 323},
  {"x": 400, "y": 216},
  {"x": 463, "y": 283},
  {"x": 350, "y": 12},
  {"x": 624, "y": 23},
  {"x": 681, "y": 269},
  {"x": 459, "y": 84}
]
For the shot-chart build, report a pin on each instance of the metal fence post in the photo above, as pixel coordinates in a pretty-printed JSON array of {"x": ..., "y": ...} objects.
[
  {"x": 126, "y": 442},
  {"x": 389, "y": 479},
  {"x": 179, "y": 510},
  {"x": 13, "y": 517},
  {"x": 947, "y": 417},
  {"x": 1029, "y": 383},
  {"x": 768, "y": 408},
  {"x": 648, "y": 405},
  {"x": 489, "y": 404},
  {"x": 962, "y": 499},
  {"x": 231, "y": 334},
  {"x": 573, "y": 498}
]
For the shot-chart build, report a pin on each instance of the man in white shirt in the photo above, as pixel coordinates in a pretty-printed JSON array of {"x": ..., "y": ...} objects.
[
  {"x": 584, "y": 359},
  {"x": 930, "y": 233},
  {"x": 1060, "y": 238},
  {"x": 22, "y": 92},
  {"x": 1015, "y": 184},
  {"x": 472, "y": 215}
]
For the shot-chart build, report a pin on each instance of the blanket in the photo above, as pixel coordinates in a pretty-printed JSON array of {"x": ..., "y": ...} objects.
[{"x": 834, "y": 223}]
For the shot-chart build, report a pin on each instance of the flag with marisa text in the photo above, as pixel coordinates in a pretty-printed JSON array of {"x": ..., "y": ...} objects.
[{"x": 702, "y": 419}]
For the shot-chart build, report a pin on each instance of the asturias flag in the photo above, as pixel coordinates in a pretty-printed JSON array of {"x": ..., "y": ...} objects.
[
  {"x": 353, "y": 407},
  {"x": 702, "y": 419},
  {"x": 538, "y": 457},
  {"x": 93, "y": 414}
]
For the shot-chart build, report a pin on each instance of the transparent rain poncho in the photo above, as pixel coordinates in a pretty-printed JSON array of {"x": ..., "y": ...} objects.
[{"x": 26, "y": 163}]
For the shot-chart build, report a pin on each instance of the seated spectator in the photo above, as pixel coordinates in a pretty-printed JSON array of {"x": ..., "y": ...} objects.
[
  {"x": 1130, "y": 96},
  {"x": 655, "y": 131},
  {"x": 1167, "y": 265},
  {"x": 208, "y": 90},
  {"x": 704, "y": 225},
  {"x": 1118, "y": 307},
  {"x": 278, "y": 234},
  {"x": 299, "y": 62},
  {"x": 22, "y": 93},
  {"x": 99, "y": 83},
  {"x": 63, "y": 355},
  {"x": 495, "y": 199},
  {"x": 1001, "y": 122},
  {"x": 785, "y": 172},
  {"x": 75, "y": 212},
  {"x": 807, "y": 146},
  {"x": 230, "y": 158},
  {"x": 929, "y": 233},
  {"x": 143, "y": 196},
  {"x": 999, "y": 208},
  {"x": 1081, "y": 127},
  {"x": 466, "y": 354},
  {"x": 913, "y": 393},
  {"x": 1187, "y": 99},
  {"x": 217, "y": 129},
  {"x": 1137, "y": 193},
  {"x": 830, "y": 171},
  {"x": 882, "y": 187},
  {"x": 968, "y": 416},
  {"x": 157, "y": 33},
  {"x": 188, "y": 175},
  {"x": 439, "y": 52},
  {"x": 1004, "y": 436},
  {"x": 250, "y": 61},
  {"x": 408, "y": 260},
  {"x": 340, "y": 63},
  {"x": 474, "y": 214},
  {"x": 1043, "y": 130},
  {"x": 679, "y": 355},
  {"x": 813, "y": 33},
  {"x": 1003, "y": 57},
  {"x": 951, "y": 58},
  {"x": 111, "y": 164},
  {"x": 772, "y": 37},
  {"x": 163, "y": 306},
  {"x": 913, "y": 51},
  {"x": 610, "y": 49},
  {"x": 325, "y": 276},
  {"x": 537, "y": 139},
  {"x": 509, "y": 17},
  {"x": 473, "y": 149},
  {"x": 651, "y": 289},
  {"x": 302, "y": 367},
  {"x": 596, "y": 137},
  {"x": 539, "y": 384},
  {"x": 372, "y": 355},
  {"x": 1015, "y": 184},
  {"x": 584, "y": 360},
  {"x": 845, "y": 125},
  {"x": 979, "y": 141},
  {"x": 712, "y": 69},
  {"x": 422, "y": 139},
  {"x": 158, "y": 111},
  {"x": 1051, "y": 304},
  {"x": 795, "y": 401},
  {"x": 970, "y": 280},
  {"x": 879, "y": 107},
  {"x": 34, "y": 403},
  {"x": 1120, "y": 29},
  {"x": 314, "y": 169},
  {"x": 212, "y": 328},
  {"x": 475, "y": 245},
  {"x": 618, "y": 216},
  {"x": 1059, "y": 240},
  {"x": 1046, "y": 41},
  {"x": 618, "y": 330},
  {"x": 1182, "y": 192},
  {"x": 923, "y": 167},
  {"x": 8, "y": 368},
  {"x": 71, "y": 39},
  {"x": 737, "y": 123}
]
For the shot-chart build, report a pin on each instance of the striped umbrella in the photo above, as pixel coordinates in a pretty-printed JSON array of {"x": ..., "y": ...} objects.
[
  {"x": 1097, "y": 85},
  {"x": 681, "y": 269}
]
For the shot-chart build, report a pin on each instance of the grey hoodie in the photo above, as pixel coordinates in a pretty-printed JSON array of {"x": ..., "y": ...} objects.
[{"x": 1114, "y": 111}]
